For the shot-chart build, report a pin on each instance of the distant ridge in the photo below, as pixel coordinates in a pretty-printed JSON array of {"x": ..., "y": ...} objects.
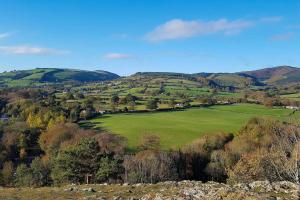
[
  {"x": 39, "y": 76},
  {"x": 278, "y": 76}
]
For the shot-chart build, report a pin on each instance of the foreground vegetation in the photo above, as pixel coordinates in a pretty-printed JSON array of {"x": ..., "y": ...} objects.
[
  {"x": 264, "y": 149},
  {"x": 166, "y": 190}
]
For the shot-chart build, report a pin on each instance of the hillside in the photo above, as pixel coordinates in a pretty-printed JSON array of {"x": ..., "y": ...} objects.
[
  {"x": 41, "y": 76},
  {"x": 280, "y": 75},
  {"x": 213, "y": 80}
]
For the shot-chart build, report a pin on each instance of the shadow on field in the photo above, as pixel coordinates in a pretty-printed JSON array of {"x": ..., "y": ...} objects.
[{"x": 90, "y": 125}]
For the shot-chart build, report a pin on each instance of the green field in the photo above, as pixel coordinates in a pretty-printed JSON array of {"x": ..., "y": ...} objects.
[
  {"x": 294, "y": 97},
  {"x": 181, "y": 127}
]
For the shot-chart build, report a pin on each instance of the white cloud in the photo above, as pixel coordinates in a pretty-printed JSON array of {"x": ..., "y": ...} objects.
[
  {"x": 30, "y": 50},
  {"x": 282, "y": 37},
  {"x": 116, "y": 56},
  {"x": 178, "y": 28},
  {"x": 5, "y": 35},
  {"x": 271, "y": 19}
]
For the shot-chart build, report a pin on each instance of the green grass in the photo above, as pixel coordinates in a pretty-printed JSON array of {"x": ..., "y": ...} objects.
[
  {"x": 182, "y": 127},
  {"x": 294, "y": 97}
]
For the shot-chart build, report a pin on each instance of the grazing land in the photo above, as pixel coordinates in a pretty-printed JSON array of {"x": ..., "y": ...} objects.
[
  {"x": 178, "y": 128},
  {"x": 294, "y": 97}
]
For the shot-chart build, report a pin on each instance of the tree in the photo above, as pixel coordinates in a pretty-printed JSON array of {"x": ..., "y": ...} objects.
[
  {"x": 152, "y": 104},
  {"x": 268, "y": 102},
  {"x": 74, "y": 163},
  {"x": 51, "y": 140},
  {"x": 74, "y": 115},
  {"x": 150, "y": 167},
  {"x": 110, "y": 169},
  {"x": 23, "y": 176},
  {"x": 7, "y": 173},
  {"x": 80, "y": 96},
  {"x": 114, "y": 101},
  {"x": 40, "y": 173},
  {"x": 172, "y": 103}
]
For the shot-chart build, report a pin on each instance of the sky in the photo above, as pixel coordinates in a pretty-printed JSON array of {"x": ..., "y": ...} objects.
[{"x": 128, "y": 36}]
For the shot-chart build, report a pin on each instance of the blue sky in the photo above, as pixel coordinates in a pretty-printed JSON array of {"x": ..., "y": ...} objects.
[{"x": 128, "y": 36}]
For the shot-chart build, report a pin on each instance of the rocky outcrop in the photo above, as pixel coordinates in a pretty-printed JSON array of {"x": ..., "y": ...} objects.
[
  {"x": 259, "y": 190},
  {"x": 171, "y": 190}
]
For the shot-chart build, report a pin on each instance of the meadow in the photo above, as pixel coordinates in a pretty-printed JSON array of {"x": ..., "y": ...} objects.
[
  {"x": 177, "y": 128},
  {"x": 294, "y": 96}
]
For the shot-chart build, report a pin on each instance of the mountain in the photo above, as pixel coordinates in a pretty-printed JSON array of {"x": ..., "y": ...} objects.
[
  {"x": 231, "y": 79},
  {"x": 41, "y": 76},
  {"x": 280, "y": 75},
  {"x": 209, "y": 79}
]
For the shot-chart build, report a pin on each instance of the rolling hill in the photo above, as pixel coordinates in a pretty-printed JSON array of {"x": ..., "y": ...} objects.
[
  {"x": 213, "y": 80},
  {"x": 280, "y": 75},
  {"x": 42, "y": 76}
]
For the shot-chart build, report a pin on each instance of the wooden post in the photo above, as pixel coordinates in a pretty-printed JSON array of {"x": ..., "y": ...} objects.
[{"x": 87, "y": 178}]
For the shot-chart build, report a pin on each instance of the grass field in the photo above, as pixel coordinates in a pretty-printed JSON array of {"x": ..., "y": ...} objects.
[
  {"x": 294, "y": 97},
  {"x": 181, "y": 127}
]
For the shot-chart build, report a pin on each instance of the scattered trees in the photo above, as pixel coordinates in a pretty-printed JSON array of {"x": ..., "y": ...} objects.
[{"x": 152, "y": 104}]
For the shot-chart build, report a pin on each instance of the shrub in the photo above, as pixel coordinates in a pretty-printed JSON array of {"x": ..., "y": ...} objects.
[{"x": 23, "y": 176}]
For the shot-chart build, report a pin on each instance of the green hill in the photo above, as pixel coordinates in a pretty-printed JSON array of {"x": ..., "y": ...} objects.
[
  {"x": 42, "y": 76},
  {"x": 280, "y": 75}
]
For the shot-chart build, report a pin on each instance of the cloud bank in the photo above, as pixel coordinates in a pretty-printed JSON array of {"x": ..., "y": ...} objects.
[
  {"x": 5, "y": 35},
  {"x": 178, "y": 28},
  {"x": 117, "y": 56},
  {"x": 30, "y": 50},
  {"x": 282, "y": 37}
]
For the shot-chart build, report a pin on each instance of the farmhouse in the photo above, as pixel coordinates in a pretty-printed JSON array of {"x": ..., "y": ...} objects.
[
  {"x": 4, "y": 118},
  {"x": 292, "y": 107}
]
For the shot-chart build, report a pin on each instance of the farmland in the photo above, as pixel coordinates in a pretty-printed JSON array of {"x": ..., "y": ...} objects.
[
  {"x": 294, "y": 96},
  {"x": 178, "y": 128}
]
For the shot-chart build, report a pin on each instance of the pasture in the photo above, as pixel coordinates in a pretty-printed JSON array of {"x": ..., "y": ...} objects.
[
  {"x": 178, "y": 128},
  {"x": 294, "y": 96}
]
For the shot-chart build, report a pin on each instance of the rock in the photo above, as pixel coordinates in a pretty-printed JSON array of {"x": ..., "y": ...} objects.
[
  {"x": 271, "y": 198},
  {"x": 262, "y": 186},
  {"x": 285, "y": 185},
  {"x": 70, "y": 189},
  {"x": 88, "y": 190},
  {"x": 158, "y": 196}
]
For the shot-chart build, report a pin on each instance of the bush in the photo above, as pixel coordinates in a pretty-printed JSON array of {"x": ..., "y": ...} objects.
[
  {"x": 150, "y": 167},
  {"x": 23, "y": 176}
]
